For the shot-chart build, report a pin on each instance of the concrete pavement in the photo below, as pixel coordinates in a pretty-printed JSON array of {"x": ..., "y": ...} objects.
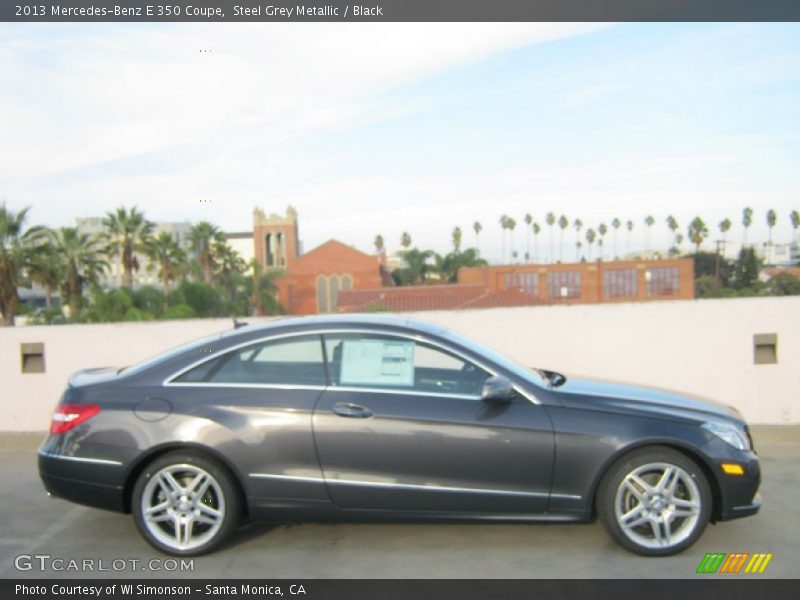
[{"x": 33, "y": 524}]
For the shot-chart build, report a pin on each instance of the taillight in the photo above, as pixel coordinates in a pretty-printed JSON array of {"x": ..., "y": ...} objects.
[{"x": 67, "y": 416}]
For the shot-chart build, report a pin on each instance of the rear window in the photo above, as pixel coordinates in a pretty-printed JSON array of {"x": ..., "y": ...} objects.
[{"x": 290, "y": 361}]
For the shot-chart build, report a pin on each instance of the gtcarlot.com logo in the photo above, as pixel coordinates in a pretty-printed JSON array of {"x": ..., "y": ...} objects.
[{"x": 734, "y": 563}]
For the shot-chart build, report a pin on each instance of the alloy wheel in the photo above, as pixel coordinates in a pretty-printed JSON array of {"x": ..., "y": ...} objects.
[
  {"x": 657, "y": 505},
  {"x": 183, "y": 506}
]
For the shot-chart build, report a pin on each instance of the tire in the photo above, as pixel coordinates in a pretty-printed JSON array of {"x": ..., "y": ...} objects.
[
  {"x": 186, "y": 504},
  {"x": 650, "y": 512}
]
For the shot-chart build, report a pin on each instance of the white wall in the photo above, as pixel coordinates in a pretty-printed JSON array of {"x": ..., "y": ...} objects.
[{"x": 703, "y": 347}]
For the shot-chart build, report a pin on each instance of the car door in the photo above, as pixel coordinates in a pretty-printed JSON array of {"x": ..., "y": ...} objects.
[
  {"x": 402, "y": 426},
  {"x": 262, "y": 394}
]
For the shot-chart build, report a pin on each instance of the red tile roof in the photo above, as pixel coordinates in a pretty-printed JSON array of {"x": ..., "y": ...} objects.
[
  {"x": 430, "y": 297},
  {"x": 772, "y": 271}
]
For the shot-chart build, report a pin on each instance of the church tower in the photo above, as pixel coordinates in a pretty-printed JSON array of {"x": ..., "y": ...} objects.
[{"x": 275, "y": 238}]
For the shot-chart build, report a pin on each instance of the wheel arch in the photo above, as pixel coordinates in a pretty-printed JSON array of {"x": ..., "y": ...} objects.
[
  {"x": 158, "y": 451},
  {"x": 688, "y": 451}
]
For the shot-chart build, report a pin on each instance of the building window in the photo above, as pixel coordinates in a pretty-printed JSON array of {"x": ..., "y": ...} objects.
[
  {"x": 328, "y": 288},
  {"x": 333, "y": 290},
  {"x": 564, "y": 284},
  {"x": 526, "y": 282},
  {"x": 322, "y": 294},
  {"x": 662, "y": 281},
  {"x": 619, "y": 283}
]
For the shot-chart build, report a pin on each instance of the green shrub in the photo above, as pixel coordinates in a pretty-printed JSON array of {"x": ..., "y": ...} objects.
[{"x": 179, "y": 311}]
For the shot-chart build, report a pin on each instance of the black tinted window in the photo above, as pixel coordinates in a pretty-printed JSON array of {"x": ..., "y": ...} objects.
[{"x": 290, "y": 361}]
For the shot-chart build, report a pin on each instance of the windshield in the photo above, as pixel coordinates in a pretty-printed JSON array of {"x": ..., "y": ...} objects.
[
  {"x": 504, "y": 361},
  {"x": 139, "y": 367}
]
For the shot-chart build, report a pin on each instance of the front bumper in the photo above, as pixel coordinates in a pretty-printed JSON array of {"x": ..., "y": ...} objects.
[
  {"x": 738, "y": 494},
  {"x": 737, "y": 512}
]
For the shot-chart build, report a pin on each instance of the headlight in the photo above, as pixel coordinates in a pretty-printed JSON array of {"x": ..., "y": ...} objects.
[{"x": 728, "y": 433}]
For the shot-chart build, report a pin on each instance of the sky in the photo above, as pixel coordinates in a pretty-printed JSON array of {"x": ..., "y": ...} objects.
[{"x": 392, "y": 127}]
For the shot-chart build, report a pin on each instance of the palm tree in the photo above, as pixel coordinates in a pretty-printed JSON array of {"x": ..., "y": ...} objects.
[
  {"x": 616, "y": 224},
  {"x": 772, "y": 219},
  {"x": 649, "y": 221},
  {"x": 697, "y": 232},
  {"x": 602, "y": 230},
  {"x": 590, "y": 237},
  {"x": 563, "y": 223},
  {"x": 724, "y": 228},
  {"x": 747, "y": 220},
  {"x": 405, "y": 240},
  {"x": 678, "y": 241},
  {"x": 456, "y": 235},
  {"x": 550, "y": 219},
  {"x": 229, "y": 267},
  {"x": 167, "y": 257},
  {"x": 417, "y": 265},
  {"x": 82, "y": 263},
  {"x": 528, "y": 220},
  {"x": 629, "y": 227},
  {"x": 578, "y": 224},
  {"x": 512, "y": 224},
  {"x": 477, "y": 228},
  {"x": 378, "y": 243},
  {"x": 263, "y": 299},
  {"x": 44, "y": 270},
  {"x": 449, "y": 265},
  {"x": 536, "y": 231},
  {"x": 794, "y": 217},
  {"x": 16, "y": 247},
  {"x": 202, "y": 237},
  {"x": 127, "y": 233},
  {"x": 672, "y": 223},
  {"x": 503, "y": 227}
]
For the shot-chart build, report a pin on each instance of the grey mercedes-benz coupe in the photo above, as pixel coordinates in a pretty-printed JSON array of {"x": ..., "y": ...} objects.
[{"x": 356, "y": 417}]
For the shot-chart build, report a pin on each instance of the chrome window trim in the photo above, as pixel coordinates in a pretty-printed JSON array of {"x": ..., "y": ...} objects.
[
  {"x": 96, "y": 461},
  {"x": 410, "y": 486},
  {"x": 168, "y": 382},
  {"x": 268, "y": 386},
  {"x": 322, "y": 388}
]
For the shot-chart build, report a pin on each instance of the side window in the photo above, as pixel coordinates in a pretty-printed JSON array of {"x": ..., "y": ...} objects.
[
  {"x": 290, "y": 361},
  {"x": 388, "y": 362}
]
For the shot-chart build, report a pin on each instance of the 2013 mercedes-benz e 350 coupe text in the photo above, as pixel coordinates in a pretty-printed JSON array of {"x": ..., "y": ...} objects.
[{"x": 354, "y": 417}]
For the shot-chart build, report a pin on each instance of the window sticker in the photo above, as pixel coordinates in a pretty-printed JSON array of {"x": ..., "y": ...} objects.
[{"x": 377, "y": 362}]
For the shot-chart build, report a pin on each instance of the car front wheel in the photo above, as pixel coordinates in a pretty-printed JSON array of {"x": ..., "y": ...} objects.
[
  {"x": 186, "y": 504},
  {"x": 654, "y": 501}
]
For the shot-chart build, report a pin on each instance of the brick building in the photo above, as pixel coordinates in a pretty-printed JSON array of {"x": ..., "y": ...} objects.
[
  {"x": 307, "y": 283},
  {"x": 526, "y": 285},
  {"x": 617, "y": 281},
  {"x": 314, "y": 281}
]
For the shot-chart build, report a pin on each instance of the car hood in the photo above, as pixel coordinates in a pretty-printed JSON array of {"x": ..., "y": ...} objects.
[{"x": 594, "y": 393}]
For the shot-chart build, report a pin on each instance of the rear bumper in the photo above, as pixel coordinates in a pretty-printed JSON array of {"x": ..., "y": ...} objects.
[{"x": 82, "y": 484}]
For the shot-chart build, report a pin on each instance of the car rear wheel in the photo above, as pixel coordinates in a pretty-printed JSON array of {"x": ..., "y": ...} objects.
[
  {"x": 655, "y": 501},
  {"x": 186, "y": 504}
]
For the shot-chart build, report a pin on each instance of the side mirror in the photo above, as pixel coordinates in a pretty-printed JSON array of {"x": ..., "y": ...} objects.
[{"x": 497, "y": 389}]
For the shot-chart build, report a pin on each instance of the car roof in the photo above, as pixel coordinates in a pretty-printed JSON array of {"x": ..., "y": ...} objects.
[{"x": 344, "y": 320}]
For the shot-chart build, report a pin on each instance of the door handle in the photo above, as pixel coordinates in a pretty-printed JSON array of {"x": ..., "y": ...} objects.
[{"x": 353, "y": 411}]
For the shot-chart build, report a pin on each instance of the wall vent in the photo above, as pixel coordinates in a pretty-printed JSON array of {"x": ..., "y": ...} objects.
[
  {"x": 765, "y": 348},
  {"x": 32, "y": 356}
]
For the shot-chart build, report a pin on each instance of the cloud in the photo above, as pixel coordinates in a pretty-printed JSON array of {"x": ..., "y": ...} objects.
[{"x": 93, "y": 95}]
